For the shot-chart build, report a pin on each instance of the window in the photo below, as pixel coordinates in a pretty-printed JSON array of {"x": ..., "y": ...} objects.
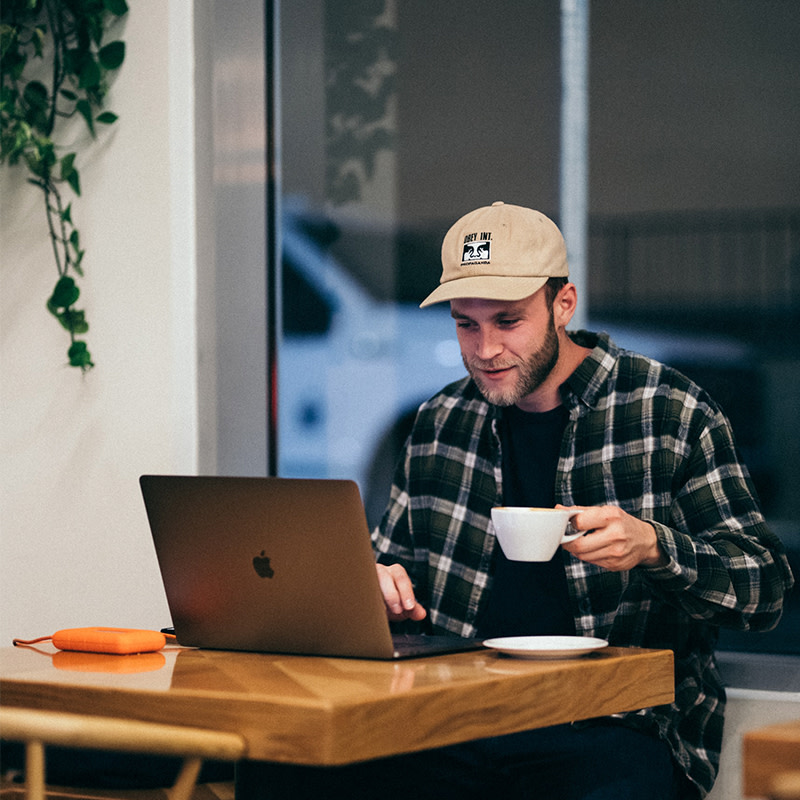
[{"x": 398, "y": 117}]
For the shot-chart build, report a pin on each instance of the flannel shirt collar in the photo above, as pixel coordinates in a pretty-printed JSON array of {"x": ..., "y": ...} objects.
[{"x": 587, "y": 383}]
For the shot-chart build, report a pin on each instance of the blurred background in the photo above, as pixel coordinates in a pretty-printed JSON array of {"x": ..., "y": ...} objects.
[{"x": 397, "y": 118}]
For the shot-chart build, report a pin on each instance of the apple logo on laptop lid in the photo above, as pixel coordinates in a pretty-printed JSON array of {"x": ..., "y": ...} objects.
[{"x": 262, "y": 566}]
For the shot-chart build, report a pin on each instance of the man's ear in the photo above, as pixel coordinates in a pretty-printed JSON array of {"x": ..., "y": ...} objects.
[{"x": 564, "y": 305}]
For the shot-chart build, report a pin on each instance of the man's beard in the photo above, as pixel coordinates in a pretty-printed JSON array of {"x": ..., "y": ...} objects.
[{"x": 531, "y": 373}]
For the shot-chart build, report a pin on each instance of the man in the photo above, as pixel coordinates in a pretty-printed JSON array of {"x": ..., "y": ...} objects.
[{"x": 676, "y": 544}]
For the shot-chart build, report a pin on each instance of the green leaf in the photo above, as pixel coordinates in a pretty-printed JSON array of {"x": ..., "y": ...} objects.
[
  {"x": 85, "y": 110},
  {"x": 66, "y": 214},
  {"x": 106, "y": 118},
  {"x": 73, "y": 59},
  {"x": 68, "y": 95},
  {"x": 36, "y": 95},
  {"x": 36, "y": 98},
  {"x": 64, "y": 294},
  {"x": 116, "y": 7},
  {"x": 74, "y": 180},
  {"x": 41, "y": 157},
  {"x": 8, "y": 36},
  {"x": 8, "y": 96},
  {"x": 67, "y": 167},
  {"x": 75, "y": 321},
  {"x": 14, "y": 59},
  {"x": 90, "y": 74},
  {"x": 93, "y": 22},
  {"x": 38, "y": 39},
  {"x": 79, "y": 356},
  {"x": 112, "y": 55}
]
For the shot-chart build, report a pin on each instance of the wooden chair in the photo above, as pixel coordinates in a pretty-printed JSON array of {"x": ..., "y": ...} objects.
[{"x": 39, "y": 728}]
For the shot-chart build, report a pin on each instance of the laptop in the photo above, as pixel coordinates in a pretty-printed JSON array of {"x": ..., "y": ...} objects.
[{"x": 274, "y": 565}]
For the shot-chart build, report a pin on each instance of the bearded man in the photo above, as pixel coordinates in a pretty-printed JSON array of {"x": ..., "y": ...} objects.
[{"x": 676, "y": 545}]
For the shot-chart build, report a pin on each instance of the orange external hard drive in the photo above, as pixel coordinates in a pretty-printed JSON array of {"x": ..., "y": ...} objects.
[{"x": 119, "y": 641}]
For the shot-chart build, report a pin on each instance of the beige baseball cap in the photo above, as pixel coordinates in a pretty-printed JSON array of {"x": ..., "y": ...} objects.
[{"x": 499, "y": 252}]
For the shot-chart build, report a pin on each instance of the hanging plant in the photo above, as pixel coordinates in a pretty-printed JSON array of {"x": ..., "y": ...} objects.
[{"x": 66, "y": 40}]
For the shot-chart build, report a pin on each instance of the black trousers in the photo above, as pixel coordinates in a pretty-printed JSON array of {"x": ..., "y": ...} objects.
[{"x": 596, "y": 762}]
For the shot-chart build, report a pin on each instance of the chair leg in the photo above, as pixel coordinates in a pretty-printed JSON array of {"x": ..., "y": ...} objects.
[
  {"x": 187, "y": 779},
  {"x": 34, "y": 770}
]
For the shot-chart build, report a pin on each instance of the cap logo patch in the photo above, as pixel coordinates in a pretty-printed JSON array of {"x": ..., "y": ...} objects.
[{"x": 476, "y": 248}]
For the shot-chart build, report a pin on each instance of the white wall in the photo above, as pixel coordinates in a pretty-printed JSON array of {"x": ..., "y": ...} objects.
[{"x": 74, "y": 543}]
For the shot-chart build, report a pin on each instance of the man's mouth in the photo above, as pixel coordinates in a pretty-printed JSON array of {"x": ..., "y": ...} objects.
[{"x": 495, "y": 372}]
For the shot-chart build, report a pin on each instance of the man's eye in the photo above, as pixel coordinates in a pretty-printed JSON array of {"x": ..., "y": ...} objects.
[{"x": 507, "y": 323}]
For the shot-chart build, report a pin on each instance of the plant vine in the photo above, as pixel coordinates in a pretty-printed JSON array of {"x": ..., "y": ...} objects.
[{"x": 66, "y": 37}]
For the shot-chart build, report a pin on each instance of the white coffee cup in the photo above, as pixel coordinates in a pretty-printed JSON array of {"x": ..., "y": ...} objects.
[{"x": 532, "y": 534}]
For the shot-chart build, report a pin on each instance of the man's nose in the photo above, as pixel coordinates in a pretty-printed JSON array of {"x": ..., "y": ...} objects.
[{"x": 488, "y": 345}]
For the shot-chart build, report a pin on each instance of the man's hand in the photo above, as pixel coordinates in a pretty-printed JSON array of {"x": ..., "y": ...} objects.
[
  {"x": 615, "y": 540},
  {"x": 398, "y": 594}
]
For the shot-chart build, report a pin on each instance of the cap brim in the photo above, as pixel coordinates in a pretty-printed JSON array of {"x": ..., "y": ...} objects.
[{"x": 485, "y": 287}]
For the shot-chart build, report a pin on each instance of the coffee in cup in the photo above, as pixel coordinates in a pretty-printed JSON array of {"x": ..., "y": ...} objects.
[{"x": 532, "y": 534}]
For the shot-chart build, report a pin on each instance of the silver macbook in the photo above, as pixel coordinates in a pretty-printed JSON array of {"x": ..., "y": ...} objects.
[{"x": 276, "y": 565}]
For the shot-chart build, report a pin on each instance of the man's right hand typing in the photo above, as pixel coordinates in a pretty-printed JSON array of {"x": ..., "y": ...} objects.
[{"x": 398, "y": 594}]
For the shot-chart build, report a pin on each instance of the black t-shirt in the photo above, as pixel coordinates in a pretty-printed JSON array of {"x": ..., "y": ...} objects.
[{"x": 529, "y": 598}]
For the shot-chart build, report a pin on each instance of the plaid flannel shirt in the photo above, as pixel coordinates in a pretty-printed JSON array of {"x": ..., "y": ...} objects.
[{"x": 640, "y": 436}]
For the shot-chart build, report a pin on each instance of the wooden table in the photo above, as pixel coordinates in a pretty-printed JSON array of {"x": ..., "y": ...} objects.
[
  {"x": 332, "y": 711},
  {"x": 771, "y": 761}
]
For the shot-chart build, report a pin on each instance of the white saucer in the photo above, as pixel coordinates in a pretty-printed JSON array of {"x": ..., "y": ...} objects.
[{"x": 545, "y": 646}]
